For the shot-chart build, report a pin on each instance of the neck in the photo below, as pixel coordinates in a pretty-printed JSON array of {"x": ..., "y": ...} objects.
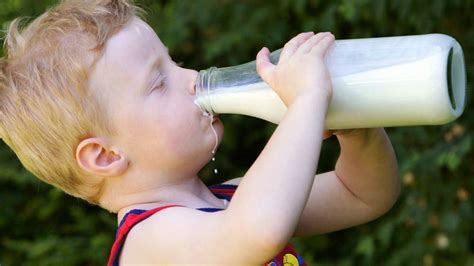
[{"x": 190, "y": 192}]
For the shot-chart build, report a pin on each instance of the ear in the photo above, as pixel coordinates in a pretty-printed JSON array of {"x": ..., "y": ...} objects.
[{"x": 96, "y": 156}]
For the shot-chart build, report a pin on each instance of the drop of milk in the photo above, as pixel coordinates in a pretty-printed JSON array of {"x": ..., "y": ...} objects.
[
  {"x": 215, "y": 169},
  {"x": 211, "y": 116}
]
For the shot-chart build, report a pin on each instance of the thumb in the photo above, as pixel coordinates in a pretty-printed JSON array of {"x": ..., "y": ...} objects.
[{"x": 264, "y": 66}]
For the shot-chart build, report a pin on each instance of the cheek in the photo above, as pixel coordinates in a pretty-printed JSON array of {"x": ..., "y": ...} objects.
[{"x": 181, "y": 133}]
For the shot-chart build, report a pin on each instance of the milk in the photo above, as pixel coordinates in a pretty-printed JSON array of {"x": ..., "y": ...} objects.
[{"x": 377, "y": 82}]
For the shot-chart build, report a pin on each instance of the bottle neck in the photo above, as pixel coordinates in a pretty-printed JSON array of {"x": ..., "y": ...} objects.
[{"x": 203, "y": 90}]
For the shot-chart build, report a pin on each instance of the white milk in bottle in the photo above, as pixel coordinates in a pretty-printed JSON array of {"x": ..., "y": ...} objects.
[{"x": 377, "y": 82}]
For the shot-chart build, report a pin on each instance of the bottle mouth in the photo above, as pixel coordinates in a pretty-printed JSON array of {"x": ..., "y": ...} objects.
[{"x": 203, "y": 91}]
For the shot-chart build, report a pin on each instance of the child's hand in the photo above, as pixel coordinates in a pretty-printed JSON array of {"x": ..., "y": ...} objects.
[
  {"x": 300, "y": 70},
  {"x": 346, "y": 132}
]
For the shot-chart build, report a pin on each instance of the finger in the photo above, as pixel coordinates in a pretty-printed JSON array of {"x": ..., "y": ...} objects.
[
  {"x": 344, "y": 131},
  {"x": 311, "y": 42},
  {"x": 322, "y": 46},
  {"x": 264, "y": 66},
  {"x": 327, "y": 134},
  {"x": 292, "y": 45}
]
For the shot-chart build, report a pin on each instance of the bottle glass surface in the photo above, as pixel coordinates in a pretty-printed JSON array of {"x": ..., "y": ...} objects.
[{"x": 377, "y": 82}]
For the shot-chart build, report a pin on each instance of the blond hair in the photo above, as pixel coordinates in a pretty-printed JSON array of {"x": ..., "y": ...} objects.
[{"x": 46, "y": 105}]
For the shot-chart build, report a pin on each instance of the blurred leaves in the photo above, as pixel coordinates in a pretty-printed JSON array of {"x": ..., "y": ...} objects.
[{"x": 431, "y": 224}]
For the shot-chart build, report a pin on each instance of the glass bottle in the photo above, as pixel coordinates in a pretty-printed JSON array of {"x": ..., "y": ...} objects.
[{"x": 377, "y": 82}]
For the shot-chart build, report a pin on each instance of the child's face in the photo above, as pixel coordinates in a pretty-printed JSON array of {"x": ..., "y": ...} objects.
[{"x": 159, "y": 127}]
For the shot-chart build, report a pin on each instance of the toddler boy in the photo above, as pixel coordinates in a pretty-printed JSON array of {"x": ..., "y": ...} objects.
[{"x": 92, "y": 103}]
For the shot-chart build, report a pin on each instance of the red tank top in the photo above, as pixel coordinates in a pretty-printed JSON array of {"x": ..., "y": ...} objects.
[{"x": 288, "y": 256}]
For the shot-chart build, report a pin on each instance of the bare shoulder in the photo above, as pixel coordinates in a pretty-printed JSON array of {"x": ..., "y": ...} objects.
[
  {"x": 165, "y": 236},
  {"x": 235, "y": 181},
  {"x": 181, "y": 235}
]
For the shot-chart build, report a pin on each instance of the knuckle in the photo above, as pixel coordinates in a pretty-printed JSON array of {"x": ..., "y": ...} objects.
[
  {"x": 316, "y": 51},
  {"x": 320, "y": 34},
  {"x": 302, "y": 34}
]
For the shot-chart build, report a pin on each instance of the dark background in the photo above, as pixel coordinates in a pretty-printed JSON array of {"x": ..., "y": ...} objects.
[{"x": 432, "y": 222}]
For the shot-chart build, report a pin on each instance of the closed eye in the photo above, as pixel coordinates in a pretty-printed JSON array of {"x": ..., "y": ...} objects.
[{"x": 159, "y": 82}]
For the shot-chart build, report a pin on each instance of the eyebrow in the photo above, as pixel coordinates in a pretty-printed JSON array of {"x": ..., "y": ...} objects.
[{"x": 154, "y": 67}]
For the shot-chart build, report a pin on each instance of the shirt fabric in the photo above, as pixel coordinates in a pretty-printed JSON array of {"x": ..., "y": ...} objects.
[{"x": 288, "y": 256}]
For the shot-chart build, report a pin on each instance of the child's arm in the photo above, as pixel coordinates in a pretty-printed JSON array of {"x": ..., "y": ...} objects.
[
  {"x": 272, "y": 195},
  {"x": 265, "y": 209},
  {"x": 364, "y": 185}
]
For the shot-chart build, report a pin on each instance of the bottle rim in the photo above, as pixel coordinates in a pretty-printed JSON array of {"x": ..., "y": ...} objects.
[{"x": 203, "y": 90}]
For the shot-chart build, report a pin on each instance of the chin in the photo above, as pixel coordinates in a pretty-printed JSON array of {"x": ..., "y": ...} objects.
[
  {"x": 219, "y": 130},
  {"x": 220, "y": 135}
]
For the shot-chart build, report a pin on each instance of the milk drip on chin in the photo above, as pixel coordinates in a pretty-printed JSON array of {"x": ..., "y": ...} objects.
[{"x": 211, "y": 117}]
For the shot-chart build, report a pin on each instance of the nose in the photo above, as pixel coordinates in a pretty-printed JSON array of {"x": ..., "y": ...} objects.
[{"x": 193, "y": 74}]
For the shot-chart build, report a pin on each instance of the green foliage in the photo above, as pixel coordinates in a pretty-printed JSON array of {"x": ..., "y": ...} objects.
[{"x": 431, "y": 224}]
